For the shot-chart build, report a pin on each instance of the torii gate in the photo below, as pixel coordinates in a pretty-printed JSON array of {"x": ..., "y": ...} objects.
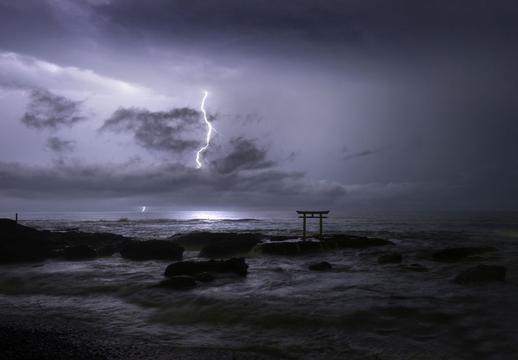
[{"x": 304, "y": 214}]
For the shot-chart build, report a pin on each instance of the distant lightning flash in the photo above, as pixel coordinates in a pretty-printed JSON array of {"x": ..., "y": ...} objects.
[{"x": 209, "y": 131}]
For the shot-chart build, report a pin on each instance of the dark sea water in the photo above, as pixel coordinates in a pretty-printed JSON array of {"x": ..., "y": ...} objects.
[{"x": 360, "y": 309}]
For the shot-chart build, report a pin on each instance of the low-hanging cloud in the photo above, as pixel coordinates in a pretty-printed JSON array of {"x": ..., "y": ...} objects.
[
  {"x": 160, "y": 130},
  {"x": 50, "y": 111}
]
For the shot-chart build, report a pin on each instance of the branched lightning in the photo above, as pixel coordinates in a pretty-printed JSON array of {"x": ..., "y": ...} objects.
[{"x": 209, "y": 131}]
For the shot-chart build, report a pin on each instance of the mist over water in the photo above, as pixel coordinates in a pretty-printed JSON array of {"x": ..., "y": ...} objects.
[{"x": 360, "y": 308}]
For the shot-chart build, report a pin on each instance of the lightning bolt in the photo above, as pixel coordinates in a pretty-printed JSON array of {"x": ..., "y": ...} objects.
[{"x": 209, "y": 131}]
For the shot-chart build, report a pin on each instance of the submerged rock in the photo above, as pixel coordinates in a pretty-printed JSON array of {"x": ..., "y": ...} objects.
[
  {"x": 414, "y": 267},
  {"x": 178, "y": 282},
  {"x": 79, "y": 252},
  {"x": 151, "y": 250},
  {"x": 353, "y": 241},
  {"x": 321, "y": 266},
  {"x": 291, "y": 247},
  {"x": 235, "y": 265},
  {"x": 460, "y": 253},
  {"x": 481, "y": 273},
  {"x": 391, "y": 258}
]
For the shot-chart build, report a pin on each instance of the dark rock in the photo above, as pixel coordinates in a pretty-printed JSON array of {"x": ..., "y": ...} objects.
[
  {"x": 232, "y": 244},
  {"x": 22, "y": 243},
  {"x": 151, "y": 250},
  {"x": 291, "y": 247},
  {"x": 281, "y": 238},
  {"x": 178, "y": 282},
  {"x": 234, "y": 265},
  {"x": 79, "y": 252},
  {"x": 390, "y": 258},
  {"x": 205, "y": 277},
  {"x": 106, "y": 250},
  {"x": 460, "y": 253},
  {"x": 352, "y": 241},
  {"x": 481, "y": 273},
  {"x": 414, "y": 267},
  {"x": 321, "y": 266},
  {"x": 217, "y": 242}
]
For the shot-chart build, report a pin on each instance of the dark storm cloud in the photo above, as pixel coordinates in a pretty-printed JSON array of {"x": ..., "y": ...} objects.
[
  {"x": 161, "y": 130},
  {"x": 335, "y": 21},
  {"x": 187, "y": 186},
  {"x": 245, "y": 155},
  {"x": 50, "y": 111},
  {"x": 59, "y": 145}
]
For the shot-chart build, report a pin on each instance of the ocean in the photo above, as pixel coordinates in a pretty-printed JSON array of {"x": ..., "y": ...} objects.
[{"x": 360, "y": 309}]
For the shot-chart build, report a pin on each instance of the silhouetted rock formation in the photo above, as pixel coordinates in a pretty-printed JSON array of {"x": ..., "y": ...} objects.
[
  {"x": 217, "y": 243},
  {"x": 79, "y": 252},
  {"x": 390, "y": 258},
  {"x": 321, "y": 266},
  {"x": 460, "y": 253},
  {"x": 235, "y": 265},
  {"x": 22, "y": 243},
  {"x": 481, "y": 273},
  {"x": 204, "y": 277},
  {"x": 106, "y": 250},
  {"x": 352, "y": 241},
  {"x": 151, "y": 250},
  {"x": 178, "y": 282},
  {"x": 291, "y": 247}
]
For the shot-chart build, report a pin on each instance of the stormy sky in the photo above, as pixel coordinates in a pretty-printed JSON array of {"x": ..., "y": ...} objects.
[{"x": 347, "y": 105}]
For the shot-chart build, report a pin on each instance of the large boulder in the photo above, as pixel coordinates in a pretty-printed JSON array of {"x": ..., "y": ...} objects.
[
  {"x": 353, "y": 241},
  {"x": 481, "y": 273},
  {"x": 178, "y": 282},
  {"x": 235, "y": 265},
  {"x": 298, "y": 247},
  {"x": 391, "y": 258},
  {"x": 460, "y": 253},
  {"x": 151, "y": 250},
  {"x": 79, "y": 252},
  {"x": 219, "y": 243}
]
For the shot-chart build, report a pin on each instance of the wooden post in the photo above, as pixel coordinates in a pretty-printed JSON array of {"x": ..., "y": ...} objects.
[
  {"x": 320, "y": 232},
  {"x": 16, "y": 218},
  {"x": 304, "y": 227}
]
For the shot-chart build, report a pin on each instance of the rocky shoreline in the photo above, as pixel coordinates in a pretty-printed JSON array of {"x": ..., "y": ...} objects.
[{"x": 20, "y": 243}]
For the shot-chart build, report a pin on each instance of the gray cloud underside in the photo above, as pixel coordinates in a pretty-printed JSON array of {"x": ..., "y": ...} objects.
[
  {"x": 49, "y": 111},
  {"x": 162, "y": 130},
  {"x": 59, "y": 145},
  {"x": 186, "y": 186},
  {"x": 244, "y": 155}
]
